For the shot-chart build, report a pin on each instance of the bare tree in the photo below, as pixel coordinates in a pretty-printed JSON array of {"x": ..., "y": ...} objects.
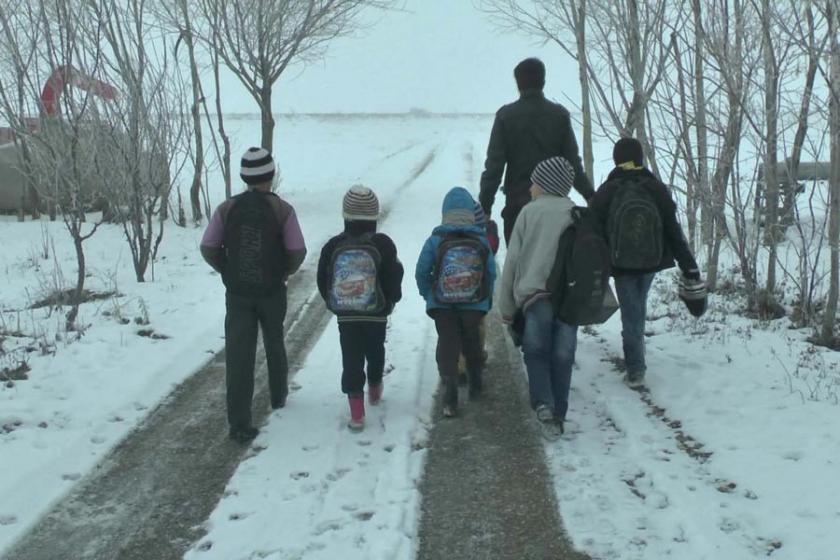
[
  {"x": 832, "y": 11},
  {"x": 550, "y": 20},
  {"x": 148, "y": 143},
  {"x": 178, "y": 15},
  {"x": 61, "y": 144},
  {"x": 258, "y": 40}
]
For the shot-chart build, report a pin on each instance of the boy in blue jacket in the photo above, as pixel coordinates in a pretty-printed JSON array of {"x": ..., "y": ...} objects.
[{"x": 455, "y": 274}]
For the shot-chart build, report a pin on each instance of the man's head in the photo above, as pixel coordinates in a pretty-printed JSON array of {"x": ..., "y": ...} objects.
[
  {"x": 628, "y": 154},
  {"x": 530, "y": 74},
  {"x": 257, "y": 169},
  {"x": 553, "y": 176}
]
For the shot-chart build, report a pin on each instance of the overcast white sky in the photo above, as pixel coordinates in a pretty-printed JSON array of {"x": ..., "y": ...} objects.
[{"x": 438, "y": 55}]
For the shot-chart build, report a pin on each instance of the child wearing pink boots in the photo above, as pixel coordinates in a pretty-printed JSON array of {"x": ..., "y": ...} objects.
[{"x": 360, "y": 279}]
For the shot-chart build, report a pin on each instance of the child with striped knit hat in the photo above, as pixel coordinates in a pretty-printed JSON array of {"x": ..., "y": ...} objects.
[{"x": 360, "y": 279}]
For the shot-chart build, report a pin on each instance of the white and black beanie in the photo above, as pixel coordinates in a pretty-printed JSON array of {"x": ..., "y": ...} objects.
[
  {"x": 257, "y": 166},
  {"x": 360, "y": 203},
  {"x": 554, "y": 175}
]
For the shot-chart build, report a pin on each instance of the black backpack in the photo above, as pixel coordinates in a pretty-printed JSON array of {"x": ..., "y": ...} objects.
[
  {"x": 354, "y": 288},
  {"x": 253, "y": 242},
  {"x": 634, "y": 228},
  {"x": 579, "y": 282},
  {"x": 460, "y": 275}
]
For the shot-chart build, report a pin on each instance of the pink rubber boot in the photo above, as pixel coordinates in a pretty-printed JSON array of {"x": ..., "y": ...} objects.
[
  {"x": 374, "y": 394},
  {"x": 357, "y": 412}
]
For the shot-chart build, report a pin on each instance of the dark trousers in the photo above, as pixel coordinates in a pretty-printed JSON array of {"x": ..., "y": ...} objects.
[
  {"x": 361, "y": 341},
  {"x": 458, "y": 331},
  {"x": 509, "y": 214},
  {"x": 244, "y": 314}
]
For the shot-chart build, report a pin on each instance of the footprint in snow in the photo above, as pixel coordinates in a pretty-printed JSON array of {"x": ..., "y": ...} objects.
[
  {"x": 365, "y": 515},
  {"x": 321, "y": 528},
  {"x": 310, "y": 447},
  {"x": 388, "y": 448},
  {"x": 205, "y": 546},
  {"x": 6, "y": 520},
  {"x": 297, "y": 475},
  {"x": 71, "y": 477},
  {"x": 97, "y": 440},
  {"x": 337, "y": 475},
  {"x": 237, "y": 516}
]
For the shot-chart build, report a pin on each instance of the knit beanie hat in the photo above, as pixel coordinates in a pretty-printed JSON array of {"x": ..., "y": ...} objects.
[
  {"x": 360, "y": 203},
  {"x": 257, "y": 166},
  {"x": 628, "y": 150},
  {"x": 480, "y": 216},
  {"x": 554, "y": 175},
  {"x": 694, "y": 296}
]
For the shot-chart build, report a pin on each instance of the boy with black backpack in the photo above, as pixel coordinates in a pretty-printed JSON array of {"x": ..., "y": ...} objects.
[
  {"x": 360, "y": 279},
  {"x": 548, "y": 343},
  {"x": 640, "y": 220},
  {"x": 254, "y": 241},
  {"x": 455, "y": 274}
]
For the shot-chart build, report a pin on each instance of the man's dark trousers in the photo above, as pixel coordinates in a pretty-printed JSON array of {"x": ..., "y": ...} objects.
[
  {"x": 361, "y": 341},
  {"x": 244, "y": 314}
]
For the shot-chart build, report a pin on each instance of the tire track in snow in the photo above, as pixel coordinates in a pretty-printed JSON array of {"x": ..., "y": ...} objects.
[{"x": 150, "y": 495}]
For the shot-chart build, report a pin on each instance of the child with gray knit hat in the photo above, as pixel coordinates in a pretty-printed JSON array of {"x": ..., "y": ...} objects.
[
  {"x": 548, "y": 343},
  {"x": 360, "y": 279}
]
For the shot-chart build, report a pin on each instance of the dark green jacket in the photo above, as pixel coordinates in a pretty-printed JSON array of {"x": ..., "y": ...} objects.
[{"x": 526, "y": 132}]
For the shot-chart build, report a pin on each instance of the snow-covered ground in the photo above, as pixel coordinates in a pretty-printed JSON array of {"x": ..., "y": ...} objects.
[
  {"x": 633, "y": 481},
  {"x": 85, "y": 393}
]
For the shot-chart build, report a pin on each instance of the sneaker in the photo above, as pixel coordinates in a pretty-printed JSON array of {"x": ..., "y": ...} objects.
[
  {"x": 450, "y": 397},
  {"x": 634, "y": 380},
  {"x": 357, "y": 413},
  {"x": 278, "y": 403},
  {"x": 243, "y": 435},
  {"x": 544, "y": 414},
  {"x": 374, "y": 394}
]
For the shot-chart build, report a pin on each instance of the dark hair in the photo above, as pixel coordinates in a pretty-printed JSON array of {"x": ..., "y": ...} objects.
[
  {"x": 628, "y": 149},
  {"x": 530, "y": 74}
]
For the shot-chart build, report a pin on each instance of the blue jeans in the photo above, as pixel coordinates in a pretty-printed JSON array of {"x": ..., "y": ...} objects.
[
  {"x": 632, "y": 292},
  {"x": 549, "y": 345}
]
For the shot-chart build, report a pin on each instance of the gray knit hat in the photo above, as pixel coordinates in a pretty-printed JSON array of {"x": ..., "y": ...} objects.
[
  {"x": 554, "y": 175},
  {"x": 360, "y": 203},
  {"x": 257, "y": 166}
]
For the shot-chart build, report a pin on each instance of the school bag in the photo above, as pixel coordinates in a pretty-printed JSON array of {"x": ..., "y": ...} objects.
[
  {"x": 460, "y": 275},
  {"x": 253, "y": 242},
  {"x": 354, "y": 287},
  {"x": 579, "y": 282},
  {"x": 634, "y": 228}
]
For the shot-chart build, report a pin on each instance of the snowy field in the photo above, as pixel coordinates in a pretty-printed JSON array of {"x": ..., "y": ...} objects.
[{"x": 732, "y": 453}]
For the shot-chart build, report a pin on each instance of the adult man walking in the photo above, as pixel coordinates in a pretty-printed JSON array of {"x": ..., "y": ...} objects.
[
  {"x": 254, "y": 241},
  {"x": 525, "y": 133}
]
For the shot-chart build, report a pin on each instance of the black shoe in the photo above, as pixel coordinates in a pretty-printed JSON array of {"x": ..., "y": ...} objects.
[
  {"x": 243, "y": 435},
  {"x": 450, "y": 396},
  {"x": 279, "y": 403},
  {"x": 475, "y": 386}
]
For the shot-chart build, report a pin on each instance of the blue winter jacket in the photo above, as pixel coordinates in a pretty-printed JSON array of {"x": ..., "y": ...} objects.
[{"x": 457, "y": 206}]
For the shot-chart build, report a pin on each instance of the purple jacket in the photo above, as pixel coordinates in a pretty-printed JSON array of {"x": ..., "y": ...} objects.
[{"x": 212, "y": 242}]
